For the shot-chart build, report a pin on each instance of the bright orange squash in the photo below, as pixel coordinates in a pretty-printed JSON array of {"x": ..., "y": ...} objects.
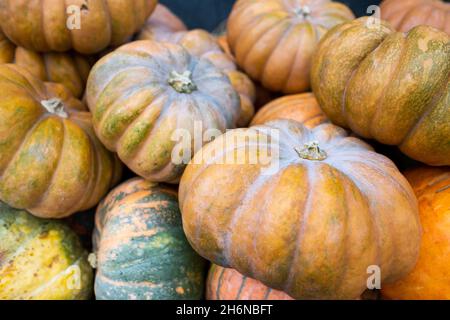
[{"x": 430, "y": 279}]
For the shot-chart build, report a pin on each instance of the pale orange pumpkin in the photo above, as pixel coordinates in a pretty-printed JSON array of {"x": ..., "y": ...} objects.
[
  {"x": 51, "y": 162},
  {"x": 430, "y": 279},
  {"x": 274, "y": 40},
  {"x": 407, "y": 14},
  {"x": 148, "y": 97},
  {"x": 308, "y": 216},
  {"x": 302, "y": 108},
  {"x": 46, "y": 26},
  {"x": 228, "y": 284},
  {"x": 202, "y": 44}
]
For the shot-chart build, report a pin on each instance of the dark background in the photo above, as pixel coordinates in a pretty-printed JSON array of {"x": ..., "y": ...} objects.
[{"x": 208, "y": 14}]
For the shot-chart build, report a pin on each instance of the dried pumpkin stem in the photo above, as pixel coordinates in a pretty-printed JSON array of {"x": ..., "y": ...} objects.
[
  {"x": 312, "y": 151},
  {"x": 182, "y": 83},
  {"x": 303, "y": 11},
  {"x": 55, "y": 106}
]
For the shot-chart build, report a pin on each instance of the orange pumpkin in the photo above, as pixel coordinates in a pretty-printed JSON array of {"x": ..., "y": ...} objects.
[
  {"x": 306, "y": 211},
  {"x": 60, "y": 25},
  {"x": 302, "y": 108},
  {"x": 407, "y": 14},
  {"x": 430, "y": 279},
  {"x": 201, "y": 44},
  {"x": 146, "y": 95},
  {"x": 274, "y": 40},
  {"x": 162, "y": 20},
  {"x": 228, "y": 284},
  {"x": 388, "y": 86},
  {"x": 70, "y": 69},
  {"x": 51, "y": 162}
]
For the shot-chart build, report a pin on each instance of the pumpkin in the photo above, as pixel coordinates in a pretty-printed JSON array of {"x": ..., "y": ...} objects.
[
  {"x": 51, "y": 162},
  {"x": 82, "y": 223},
  {"x": 406, "y": 14},
  {"x": 305, "y": 211},
  {"x": 142, "y": 252},
  {"x": 228, "y": 284},
  {"x": 145, "y": 94},
  {"x": 41, "y": 259},
  {"x": 388, "y": 86},
  {"x": 274, "y": 40},
  {"x": 301, "y": 107},
  {"x": 430, "y": 278},
  {"x": 202, "y": 44},
  {"x": 162, "y": 20},
  {"x": 85, "y": 26},
  {"x": 70, "y": 69}
]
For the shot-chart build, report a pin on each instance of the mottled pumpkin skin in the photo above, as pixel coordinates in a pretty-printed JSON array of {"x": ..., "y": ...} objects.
[
  {"x": 69, "y": 69},
  {"x": 204, "y": 45},
  {"x": 161, "y": 20},
  {"x": 301, "y": 107},
  {"x": 41, "y": 25},
  {"x": 142, "y": 252},
  {"x": 388, "y": 86},
  {"x": 138, "y": 113},
  {"x": 407, "y": 14},
  {"x": 51, "y": 162},
  {"x": 228, "y": 284},
  {"x": 274, "y": 40},
  {"x": 310, "y": 228},
  {"x": 430, "y": 278},
  {"x": 41, "y": 259}
]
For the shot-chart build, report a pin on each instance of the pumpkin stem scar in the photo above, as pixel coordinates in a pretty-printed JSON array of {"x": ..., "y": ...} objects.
[
  {"x": 303, "y": 12},
  {"x": 55, "y": 106},
  {"x": 182, "y": 83},
  {"x": 311, "y": 151}
]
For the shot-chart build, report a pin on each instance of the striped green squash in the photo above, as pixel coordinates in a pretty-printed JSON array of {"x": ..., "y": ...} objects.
[
  {"x": 141, "y": 250},
  {"x": 41, "y": 259}
]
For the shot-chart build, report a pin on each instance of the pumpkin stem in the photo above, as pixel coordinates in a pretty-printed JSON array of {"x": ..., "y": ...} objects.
[
  {"x": 92, "y": 259},
  {"x": 182, "y": 83},
  {"x": 303, "y": 12},
  {"x": 55, "y": 106},
  {"x": 312, "y": 151}
]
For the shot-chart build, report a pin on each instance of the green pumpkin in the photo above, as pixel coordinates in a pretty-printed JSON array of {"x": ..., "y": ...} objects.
[
  {"x": 41, "y": 259},
  {"x": 141, "y": 250}
]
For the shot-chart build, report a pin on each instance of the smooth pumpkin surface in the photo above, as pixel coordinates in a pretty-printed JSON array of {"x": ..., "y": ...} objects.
[
  {"x": 274, "y": 40},
  {"x": 302, "y": 108},
  {"x": 145, "y": 94},
  {"x": 161, "y": 20},
  {"x": 70, "y": 69},
  {"x": 204, "y": 45},
  {"x": 406, "y": 14},
  {"x": 388, "y": 86},
  {"x": 142, "y": 252},
  {"x": 430, "y": 279},
  {"x": 51, "y": 162},
  {"x": 42, "y": 25},
  {"x": 41, "y": 259},
  {"x": 308, "y": 218},
  {"x": 228, "y": 284}
]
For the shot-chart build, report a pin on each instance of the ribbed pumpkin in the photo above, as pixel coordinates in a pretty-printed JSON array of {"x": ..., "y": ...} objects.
[
  {"x": 274, "y": 40},
  {"x": 146, "y": 93},
  {"x": 142, "y": 252},
  {"x": 406, "y": 14},
  {"x": 70, "y": 69},
  {"x": 309, "y": 218},
  {"x": 430, "y": 278},
  {"x": 204, "y": 45},
  {"x": 302, "y": 108},
  {"x": 51, "y": 162},
  {"x": 41, "y": 259},
  {"x": 228, "y": 284},
  {"x": 43, "y": 26},
  {"x": 162, "y": 20},
  {"x": 388, "y": 86}
]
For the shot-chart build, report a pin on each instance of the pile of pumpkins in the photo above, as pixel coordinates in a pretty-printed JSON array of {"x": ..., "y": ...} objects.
[{"x": 84, "y": 108}]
